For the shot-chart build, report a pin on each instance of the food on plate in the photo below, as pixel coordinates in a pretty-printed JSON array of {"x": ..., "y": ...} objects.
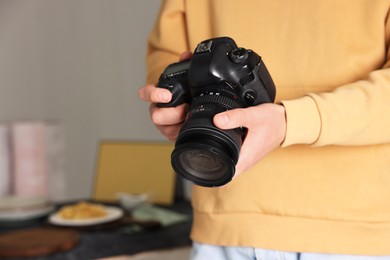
[{"x": 82, "y": 210}]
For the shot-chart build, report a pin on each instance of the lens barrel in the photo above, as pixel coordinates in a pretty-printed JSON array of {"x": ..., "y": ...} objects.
[{"x": 205, "y": 154}]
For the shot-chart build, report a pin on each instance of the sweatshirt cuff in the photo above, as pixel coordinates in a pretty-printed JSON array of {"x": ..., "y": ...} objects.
[{"x": 303, "y": 121}]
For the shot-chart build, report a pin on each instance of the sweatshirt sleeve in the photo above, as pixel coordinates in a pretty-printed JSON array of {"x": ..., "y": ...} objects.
[
  {"x": 353, "y": 114},
  {"x": 167, "y": 40}
]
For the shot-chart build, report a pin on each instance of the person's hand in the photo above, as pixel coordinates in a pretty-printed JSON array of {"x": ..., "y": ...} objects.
[
  {"x": 266, "y": 126},
  {"x": 167, "y": 120}
]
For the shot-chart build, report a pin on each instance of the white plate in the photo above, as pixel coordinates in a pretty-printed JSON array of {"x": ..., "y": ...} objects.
[
  {"x": 113, "y": 213},
  {"x": 25, "y": 214},
  {"x": 21, "y": 202}
]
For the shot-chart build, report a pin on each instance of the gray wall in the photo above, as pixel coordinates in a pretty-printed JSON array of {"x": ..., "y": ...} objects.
[{"x": 79, "y": 62}]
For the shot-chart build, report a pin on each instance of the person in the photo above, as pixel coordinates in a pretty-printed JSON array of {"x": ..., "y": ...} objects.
[{"x": 313, "y": 177}]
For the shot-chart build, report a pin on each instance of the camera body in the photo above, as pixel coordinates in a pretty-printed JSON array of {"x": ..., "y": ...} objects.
[{"x": 220, "y": 76}]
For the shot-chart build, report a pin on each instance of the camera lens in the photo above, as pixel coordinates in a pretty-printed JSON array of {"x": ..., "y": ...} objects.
[
  {"x": 204, "y": 161},
  {"x": 203, "y": 164},
  {"x": 205, "y": 154}
]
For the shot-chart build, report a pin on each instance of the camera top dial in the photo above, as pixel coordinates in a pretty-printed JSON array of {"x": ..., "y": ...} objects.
[{"x": 238, "y": 55}]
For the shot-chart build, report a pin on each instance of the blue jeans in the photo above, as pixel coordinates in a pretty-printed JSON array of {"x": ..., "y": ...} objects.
[{"x": 208, "y": 252}]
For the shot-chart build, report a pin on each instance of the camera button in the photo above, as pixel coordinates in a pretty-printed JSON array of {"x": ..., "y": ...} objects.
[
  {"x": 249, "y": 97},
  {"x": 238, "y": 55}
]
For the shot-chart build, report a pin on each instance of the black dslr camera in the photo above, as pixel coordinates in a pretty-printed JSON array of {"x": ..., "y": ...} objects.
[{"x": 219, "y": 77}]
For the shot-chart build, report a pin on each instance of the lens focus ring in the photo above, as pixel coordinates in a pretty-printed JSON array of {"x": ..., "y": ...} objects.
[{"x": 216, "y": 99}]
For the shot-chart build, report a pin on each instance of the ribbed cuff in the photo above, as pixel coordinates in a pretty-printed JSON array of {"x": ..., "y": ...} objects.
[{"x": 303, "y": 121}]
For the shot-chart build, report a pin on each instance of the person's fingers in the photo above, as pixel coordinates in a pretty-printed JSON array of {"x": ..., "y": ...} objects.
[
  {"x": 168, "y": 115},
  {"x": 171, "y": 132},
  {"x": 186, "y": 56},
  {"x": 150, "y": 93},
  {"x": 233, "y": 118}
]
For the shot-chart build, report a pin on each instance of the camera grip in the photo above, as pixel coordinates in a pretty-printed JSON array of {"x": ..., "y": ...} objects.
[
  {"x": 178, "y": 95},
  {"x": 174, "y": 78}
]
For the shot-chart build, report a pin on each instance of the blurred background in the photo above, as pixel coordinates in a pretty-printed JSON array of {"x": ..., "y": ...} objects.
[{"x": 77, "y": 64}]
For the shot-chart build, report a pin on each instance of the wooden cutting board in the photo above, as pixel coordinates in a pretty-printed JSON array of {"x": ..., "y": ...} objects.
[{"x": 37, "y": 242}]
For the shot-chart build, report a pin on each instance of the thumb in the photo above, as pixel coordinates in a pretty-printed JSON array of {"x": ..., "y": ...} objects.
[{"x": 229, "y": 119}]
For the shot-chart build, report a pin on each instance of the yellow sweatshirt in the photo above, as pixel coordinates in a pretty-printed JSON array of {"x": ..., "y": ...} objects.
[{"x": 327, "y": 189}]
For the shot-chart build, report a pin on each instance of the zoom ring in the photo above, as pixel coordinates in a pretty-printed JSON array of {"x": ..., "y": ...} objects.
[{"x": 216, "y": 99}]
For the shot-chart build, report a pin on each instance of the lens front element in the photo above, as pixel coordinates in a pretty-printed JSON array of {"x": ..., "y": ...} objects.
[
  {"x": 207, "y": 164},
  {"x": 203, "y": 164}
]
